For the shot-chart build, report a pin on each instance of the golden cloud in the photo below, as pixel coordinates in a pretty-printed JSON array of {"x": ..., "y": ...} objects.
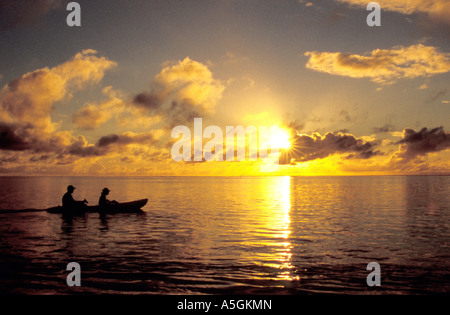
[
  {"x": 178, "y": 93},
  {"x": 439, "y": 9},
  {"x": 90, "y": 116},
  {"x": 27, "y": 103},
  {"x": 182, "y": 91},
  {"x": 384, "y": 66}
]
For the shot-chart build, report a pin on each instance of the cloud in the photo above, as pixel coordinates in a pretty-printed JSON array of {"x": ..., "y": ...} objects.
[
  {"x": 345, "y": 116},
  {"x": 433, "y": 97},
  {"x": 414, "y": 144},
  {"x": 295, "y": 126},
  {"x": 26, "y": 103},
  {"x": 311, "y": 147},
  {"x": 30, "y": 99},
  {"x": 384, "y": 129},
  {"x": 19, "y": 12},
  {"x": 108, "y": 144},
  {"x": 233, "y": 59},
  {"x": 116, "y": 106},
  {"x": 126, "y": 138},
  {"x": 10, "y": 139},
  {"x": 384, "y": 66},
  {"x": 437, "y": 9},
  {"x": 91, "y": 116},
  {"x": 181, "y": 92}
]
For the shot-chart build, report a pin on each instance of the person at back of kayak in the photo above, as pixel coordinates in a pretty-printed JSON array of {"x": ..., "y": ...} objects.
[
  {"x": 103, "y": 202},
  {"x": 70, "y": 203}
]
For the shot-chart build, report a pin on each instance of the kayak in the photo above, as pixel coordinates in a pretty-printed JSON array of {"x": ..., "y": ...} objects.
[{"x": 126, "y": 207}]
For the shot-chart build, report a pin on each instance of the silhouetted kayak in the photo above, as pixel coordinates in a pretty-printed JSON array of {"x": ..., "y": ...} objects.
[{"x": 126, "y": 207}]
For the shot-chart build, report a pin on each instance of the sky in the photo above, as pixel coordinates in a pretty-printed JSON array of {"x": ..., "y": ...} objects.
[{"x": 104, "y": 97}]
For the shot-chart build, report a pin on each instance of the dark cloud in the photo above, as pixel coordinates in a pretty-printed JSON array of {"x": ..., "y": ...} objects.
[
  {"x": 23, "y": 137},
  {"x": 420, "y": 143},
  {"x": 311, "y": 147},
  {"x": 107, "y": 144},
  {"x": 345, "y": 115},
  {"x": 175, "y": 112},
  {"x": 10, "y": 140},
  {"x": 40, "y": 158},
  {"x": 125, "y": 139},
  {"x": 19, "y": 12},
  {"x": 108, "y": 140},
  {"x": 15, "y": 138},
  {"x": 147, "y": 100},
  {"x": 295, "y": 126},
  {"x": 8, "y": 159},
  {"x": 435, "y": 96},
  {"x": 81, "y": 148},
  {"x": 182, "y": 113},
  {"x": 384, "y": 129}
]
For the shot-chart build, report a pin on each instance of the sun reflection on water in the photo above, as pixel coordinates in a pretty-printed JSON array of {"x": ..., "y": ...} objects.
[
  {"x": 277, "y": 220},
  {"x": 286, "y": 266}
]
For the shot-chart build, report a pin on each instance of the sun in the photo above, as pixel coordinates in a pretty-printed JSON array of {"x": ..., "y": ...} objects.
[{"x": 280, "y": 138}]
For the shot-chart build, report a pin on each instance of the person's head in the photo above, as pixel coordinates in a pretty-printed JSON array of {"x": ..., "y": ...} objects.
[
  {"x": 105, "y": 191},
  {"x": 70, "y": 188}
]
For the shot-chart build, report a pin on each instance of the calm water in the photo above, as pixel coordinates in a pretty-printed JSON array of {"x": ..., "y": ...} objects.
[{"x": 271, "y": 235}]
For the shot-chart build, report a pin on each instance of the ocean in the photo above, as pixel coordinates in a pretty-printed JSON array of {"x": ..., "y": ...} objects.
[{"x": 229, "y": 235}]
